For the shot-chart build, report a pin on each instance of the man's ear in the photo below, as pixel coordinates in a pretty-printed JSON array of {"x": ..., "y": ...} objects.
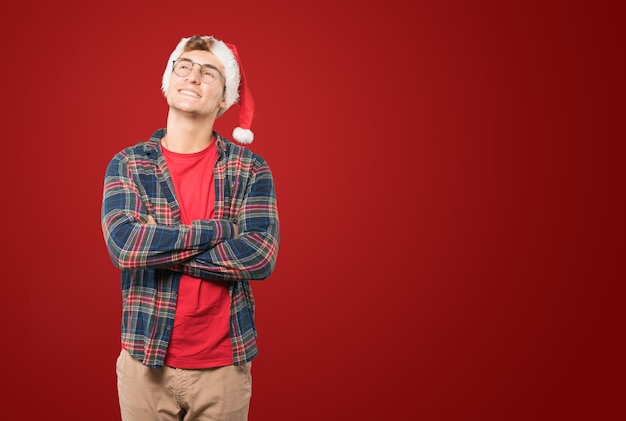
[{"x": 223, "y": 105}]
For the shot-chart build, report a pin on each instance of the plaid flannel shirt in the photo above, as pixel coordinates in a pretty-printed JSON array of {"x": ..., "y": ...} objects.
[{"x": 153, "y": 257}]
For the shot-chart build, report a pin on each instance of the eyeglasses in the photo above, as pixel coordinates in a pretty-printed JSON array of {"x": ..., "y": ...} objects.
[{"x": 208, "y": 73}]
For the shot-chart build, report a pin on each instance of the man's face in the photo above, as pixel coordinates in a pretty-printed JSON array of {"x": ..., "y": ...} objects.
[{"x": 193, "y": 95}]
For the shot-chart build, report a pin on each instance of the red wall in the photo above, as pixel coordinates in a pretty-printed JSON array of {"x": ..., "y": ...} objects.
[{"x": 450, "y": 178}]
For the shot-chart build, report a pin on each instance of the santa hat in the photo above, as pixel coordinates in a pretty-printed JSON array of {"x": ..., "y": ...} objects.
[{"x": 236, "y": 86}]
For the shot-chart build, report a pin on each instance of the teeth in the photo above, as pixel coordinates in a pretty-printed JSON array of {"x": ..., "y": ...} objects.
[{"x": 186, "y": 92}]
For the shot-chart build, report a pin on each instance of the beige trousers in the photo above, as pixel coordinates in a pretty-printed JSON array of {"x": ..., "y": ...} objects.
[{"x": 160, "y": 394}]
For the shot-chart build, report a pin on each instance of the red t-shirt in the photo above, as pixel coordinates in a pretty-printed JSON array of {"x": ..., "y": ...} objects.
[{"x": 200, "y": 338}]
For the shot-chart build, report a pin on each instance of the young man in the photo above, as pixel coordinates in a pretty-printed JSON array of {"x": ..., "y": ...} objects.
[{"x": 190, "y": 217}]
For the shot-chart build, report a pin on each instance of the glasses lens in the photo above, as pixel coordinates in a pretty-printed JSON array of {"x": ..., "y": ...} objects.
[
  {"x": 183, "y": 67},
  {"x": 208, "y": 74}
]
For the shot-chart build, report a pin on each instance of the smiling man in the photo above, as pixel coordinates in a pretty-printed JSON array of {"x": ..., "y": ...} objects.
[{"x": 190, "y": 218}]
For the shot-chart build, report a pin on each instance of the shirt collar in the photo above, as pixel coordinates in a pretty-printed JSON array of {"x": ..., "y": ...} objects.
[{"x": 154, "y": 143}]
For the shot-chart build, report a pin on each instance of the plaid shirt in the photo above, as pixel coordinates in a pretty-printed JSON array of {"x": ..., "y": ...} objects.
[{"x": 153, "y": 257}]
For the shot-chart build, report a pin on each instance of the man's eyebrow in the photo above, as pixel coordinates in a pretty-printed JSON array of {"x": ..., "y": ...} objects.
[{"x": 209, "y": 66}]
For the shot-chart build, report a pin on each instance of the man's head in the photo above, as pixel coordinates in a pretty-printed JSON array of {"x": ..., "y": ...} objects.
[{"x": 235, "y": 89}]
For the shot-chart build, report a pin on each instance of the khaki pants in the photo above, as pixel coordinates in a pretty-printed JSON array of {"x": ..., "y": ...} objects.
[{"x": 160, "y": 394}]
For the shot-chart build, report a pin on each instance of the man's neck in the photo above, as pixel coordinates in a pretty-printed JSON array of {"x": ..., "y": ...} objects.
[{"x": 187, "y": 135}]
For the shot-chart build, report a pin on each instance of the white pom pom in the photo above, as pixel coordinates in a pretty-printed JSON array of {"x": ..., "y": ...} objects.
[{"x": 244, "y": 136}]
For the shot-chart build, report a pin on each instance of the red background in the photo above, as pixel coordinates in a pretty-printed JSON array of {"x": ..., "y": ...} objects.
[{"x": 450, "y": 178}]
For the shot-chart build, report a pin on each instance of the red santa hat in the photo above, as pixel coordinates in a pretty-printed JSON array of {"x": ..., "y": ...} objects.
[{"x": 236, "y": 87}]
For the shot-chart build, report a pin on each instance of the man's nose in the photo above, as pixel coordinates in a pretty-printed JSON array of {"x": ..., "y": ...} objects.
[{"x": 194, "y": 75}]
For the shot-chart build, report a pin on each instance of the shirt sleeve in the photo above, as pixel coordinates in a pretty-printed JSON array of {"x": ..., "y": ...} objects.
[
  {"x": 252, "y": 255},
  {"x": 134, "y": 244}
]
